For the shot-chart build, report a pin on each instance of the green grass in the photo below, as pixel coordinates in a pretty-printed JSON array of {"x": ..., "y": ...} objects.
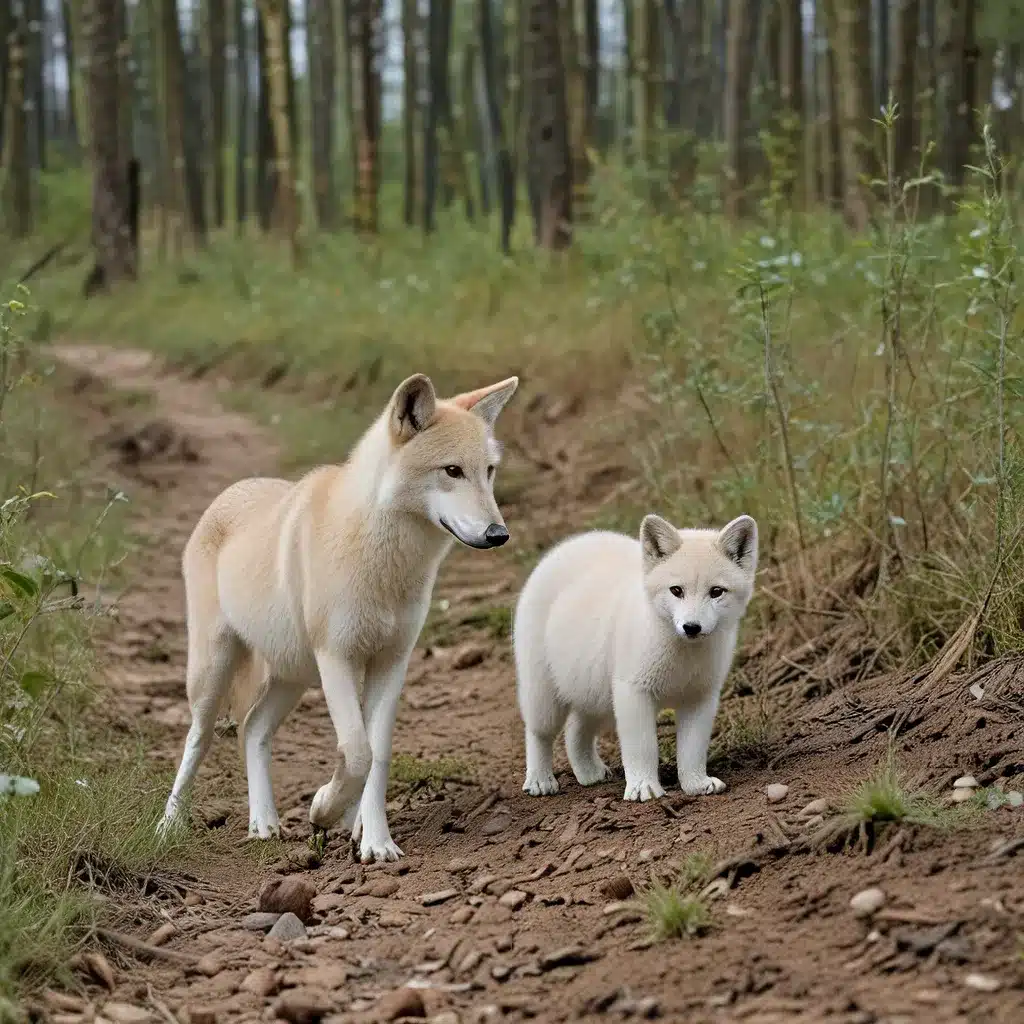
[
  {"x": 673, "y": 914},
  {"x": 415, "y": 772}
]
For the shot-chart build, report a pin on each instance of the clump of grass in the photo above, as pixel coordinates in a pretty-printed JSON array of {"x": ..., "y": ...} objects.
[
  {"x": 415, "y": 772},
  {"x": 675, "y": 914},
  {"x": 745, "y": 736},
  {"x": 442, "y": 629},
  {"x": 264, "y": 852},
  {"x": 495, "y": 621}
]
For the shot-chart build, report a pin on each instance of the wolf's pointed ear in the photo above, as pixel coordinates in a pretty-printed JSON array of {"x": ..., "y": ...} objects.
[
  {"x": 658, "y": 538},
  {"x": 412, "y": 407},
  {"x": 489, "y": 401},
  {"x": 738, "y": 540}
]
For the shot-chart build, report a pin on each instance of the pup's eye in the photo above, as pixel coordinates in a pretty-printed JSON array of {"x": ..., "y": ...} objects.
[
  {"x": 490, "y": 472},
  {"x": 676, "y": 591},
  {"x": 455, "y": 472},
  {"x": 716, "y": 592}
]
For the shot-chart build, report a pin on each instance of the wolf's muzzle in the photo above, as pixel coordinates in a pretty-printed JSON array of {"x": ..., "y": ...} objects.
[{"x": 495, "y": 535}]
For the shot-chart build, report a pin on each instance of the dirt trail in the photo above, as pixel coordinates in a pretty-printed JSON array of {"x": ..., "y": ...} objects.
[{"x": 521, "y": 923}]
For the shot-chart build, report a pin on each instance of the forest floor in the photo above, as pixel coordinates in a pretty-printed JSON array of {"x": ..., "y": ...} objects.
[{"x": 508, "y": 907}]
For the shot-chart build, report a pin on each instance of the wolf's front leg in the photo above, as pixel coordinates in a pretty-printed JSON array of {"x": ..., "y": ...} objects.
[
  {"x": 693, "y": 734},
  {"x": 384, "y": 682},
  {"x": 636, "y": 720}
]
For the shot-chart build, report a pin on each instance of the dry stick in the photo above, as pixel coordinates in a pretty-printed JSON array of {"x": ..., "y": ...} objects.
[{"x": 144, "y": 948}]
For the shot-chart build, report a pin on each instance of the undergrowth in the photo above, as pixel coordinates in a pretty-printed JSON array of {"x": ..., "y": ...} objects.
[
  {"x": 676, "y": 910},
  {"x": 78, "y": 810}
]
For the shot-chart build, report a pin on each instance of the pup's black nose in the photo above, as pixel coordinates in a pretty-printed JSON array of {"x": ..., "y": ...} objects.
[
  {"x": 691, "y": 628},
  {"x": 495, "y": 535}
]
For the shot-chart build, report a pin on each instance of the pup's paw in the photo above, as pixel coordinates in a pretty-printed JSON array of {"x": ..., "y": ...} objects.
[
  {"x": 701, "y": 785},
  {"x": 327, "y": 807},
  {"x": 540, "y": 783},
  {"x": 644, "y": 790},
  {"x": 261, "y": 827},
  {"x": 378, "y": 850},
  {"x": 592, "y": 774}
]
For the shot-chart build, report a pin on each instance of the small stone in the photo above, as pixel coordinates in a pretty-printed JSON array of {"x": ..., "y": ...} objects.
[
  {"x": 715, "y": 889},
  {"x": 983, "y": 982},
  {"x": 260, "y": 922},
  {"x": 513, "y": 899},
  {"x": 289, "y": 895},
  {"x": 432, "y": 899},
  {"x": 503, "y": 943},
  {"x": 287, "y": 928},
  {"x": 469, "y": 656},
  {"x": 819, "y": 806},
  {"x": 1014, "y": 798},
  {"x": 447, "y": 1017},
  {"x": 210, "y": 965},
  {"x": 647, "y": 1008},
  {"x": 99, "y": 968},
  {"x": 125, "y": 1013},
  {"x": 567, "y": 956},
  {"x": 646, "y": 855},
  {"x": 384, "y": 887},
  {"x": 403, "y": 1002},
  {"x": 325, "y": 975},
  {"x": 193, "y": 899},
  {"x": 262, "y": 982},
  {"x": 63, "y": 1002},
  {"x": 867, "y": 902},
  {"x": 162, "y": 934},
  {"x": 930, "y": 996},
  {"x": 496, "y": 824},
  {"x": 328, "y": 902},
  {"x": 618, "y": 887},
  {"x": 389, "y": 920},
  {"x": 462, "y": 915},
  {"x": 470, "y": 962},
  {"x": 961, "y": 796},
  {"x": 459, "y": 864},
  {"x": 301, "y": 1006},
  {"x": 776, "y": 792},
  {"x": 966, "y": 782},
  {"x": 501, "y": 972},
  {"x": 481, "y": 883}
]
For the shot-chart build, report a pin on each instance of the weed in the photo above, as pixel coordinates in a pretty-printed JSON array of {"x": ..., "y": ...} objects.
[
  {"x": 415, "y": 772},
  {"x": 673, "y": 914}
]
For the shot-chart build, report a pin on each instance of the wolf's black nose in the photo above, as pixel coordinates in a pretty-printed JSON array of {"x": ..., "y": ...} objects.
[
  {"x": 495, "y": 535},
  {"x": 691, "y": 628}
]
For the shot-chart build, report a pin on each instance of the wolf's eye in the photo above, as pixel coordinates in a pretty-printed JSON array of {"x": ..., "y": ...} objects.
[
  {"x": 455, "y": 472},
  {"x": 716, "y": 592},
  {"x": 676, "y": 591}
]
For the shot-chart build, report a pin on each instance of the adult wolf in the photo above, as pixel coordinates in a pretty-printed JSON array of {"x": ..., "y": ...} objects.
[
  {"x": 609, "y": 628},
  {"x": 330, "y": 578}
]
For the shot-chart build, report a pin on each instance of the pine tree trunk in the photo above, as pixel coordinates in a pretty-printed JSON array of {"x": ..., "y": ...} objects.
[
  {"x": 849, "y": 30},
  {"x": 287, "y": 207},
  {"x": 16, "y": 164},
  {"x": 884, "y": 58},
  {"x": 791, "y": 93},
  {"x": 67, "y": 30},
  {"x": 217, "y": 37},
  {"x": 411, "y": 28},
  {"x": 963, "y": 56},
  {"x": 645, "y": 99},
  {"x": 321, "y": 53},
  {"x": 438, "y": 45},
  {"x": 574, "y": 43},
  {"x": 741, "y": 42},
  {"x": 6, "y": 27},
  {"x": 33, "y": 83},
  {"x": 905, "y": 88},
  {"x": 243, "y": 70},
  {"x": 549, "y": 164},
  {"x": 173, "y": 94},
  {"x": 365, "y": 93},
  {"x": 266, "y": 172},
  {"x": 114, "y": 234},
  {"x": 499, "y": 126}
]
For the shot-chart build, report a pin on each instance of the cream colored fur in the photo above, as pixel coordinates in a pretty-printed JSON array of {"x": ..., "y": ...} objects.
[
  {"x": 610, "y": 630},
  {"x": 329, "y": 579}
]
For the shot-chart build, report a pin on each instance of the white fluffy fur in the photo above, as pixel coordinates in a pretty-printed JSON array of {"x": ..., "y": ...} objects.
[
  {"x": 329, "y": 579},
  {"x": 601, "y": 638}
]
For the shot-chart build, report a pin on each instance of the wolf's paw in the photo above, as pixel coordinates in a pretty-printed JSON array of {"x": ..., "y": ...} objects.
[
  {"x": 169, "y": 825},
  {"x": 696, "y": 785},
  {"x": 264, "y": 827},
  {"x": 646, "y": 789},
  {"x": 378, "y": 850},
  {"x": 540, "y": 783},
  {"x": 592, "y": 774},
  {"x": 327, "y": 807}
]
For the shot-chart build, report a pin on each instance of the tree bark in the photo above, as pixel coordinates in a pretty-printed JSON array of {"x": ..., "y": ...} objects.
[
  {"x": 173, "y": 63},
  {"x": 322, "y": 53},
  {"x": 741, "y": 42},
  {"x": 439, "y": 31},
  {"x": 217, "y": 37},
  {"x": 17, "y": 167},
  {"x": 6, "y": 28},
  {"x": 791, "y": 92},
  {"x": 71, "y": 71},
  {"x": 574, "y": 47},
  {"x": 645, "y": 94},
  {"x": 287, "y": 206},
  {"x": 962, "y": 56},
  {"x": 114, "y": 235},
  {"x": 905, "y": 89},
  {"x": 548, "y": 158},
  {"x": 266, "y": 172},
  {"x": 35, "y": 93},
  {"x": 365, "y": 91},
  {"x": 412, "y": 183},
  {"x": 243, "y": 70},
  {"x": 498, "y": 125}
]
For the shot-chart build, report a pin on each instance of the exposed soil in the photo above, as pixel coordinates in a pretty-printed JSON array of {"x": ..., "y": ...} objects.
[{"x": 783, "y": 945}]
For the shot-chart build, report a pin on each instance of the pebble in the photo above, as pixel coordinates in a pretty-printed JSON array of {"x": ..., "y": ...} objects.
[
  {"x": 432, "y": 899},
  {"x": 819, "y": 806},
  {"x": 500, "y": 972},
  {"x": 193, "y": 899},
  {"x": 64, "y": 1001},
  {"x": 966, "y": 782},
  {"x": 289, "y": 895},
  {"x": 383, "y": 887},
  {"x": 393, "y": 920},
  {"x": 99, "y": 968},
  {"x": 496, "y": 823},
  {"x": 776, "y": 792},
  {"x": 867, "y": 902},
  {"x": 162, "y": 934},
  {"x": 325, "y": 974},
  {"x": 447, "y": 1017},
  {"x": 513, "y": 899},
  {"x": 646, "y": 855},
  {"x": 125, "y": 1013},
  {"x": 961, "y": 796},
  {"x": 261, "y": 982},
  {"x": 463, "y": 915},
  {"x": 301, "y": 1006},
  {"x": 459, "y": 864},
  {"x": 470, "y": 962},
  {"x": 567, "y": 956},
  {"x": 503, "y": 943},
  {"x": 470, "y": 655},
  {"x": 259, "y": 922},
  {"x": 288, "y": 927},
  {"x": 210, "y": 965},
  {"x": 1015, "y": 798},
  {"x": 403, "y": 1002},
  {"x": 619, "y": 887},
  {"x": 983, "y": 982},
  {"x": 327, "y": 902}
]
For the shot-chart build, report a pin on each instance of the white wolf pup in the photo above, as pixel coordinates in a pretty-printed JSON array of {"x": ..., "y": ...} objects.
[
  {"x": 329, "y": 579},
  {"x": 611, "y": 629}
]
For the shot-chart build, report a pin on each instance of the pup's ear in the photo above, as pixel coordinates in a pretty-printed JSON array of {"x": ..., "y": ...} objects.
[
  {"x": 488, "y": 402},
  {"x": 658, "y": 538},
  {"x": 412, "y": 407},
  {"x": 738, "y": 540}
]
